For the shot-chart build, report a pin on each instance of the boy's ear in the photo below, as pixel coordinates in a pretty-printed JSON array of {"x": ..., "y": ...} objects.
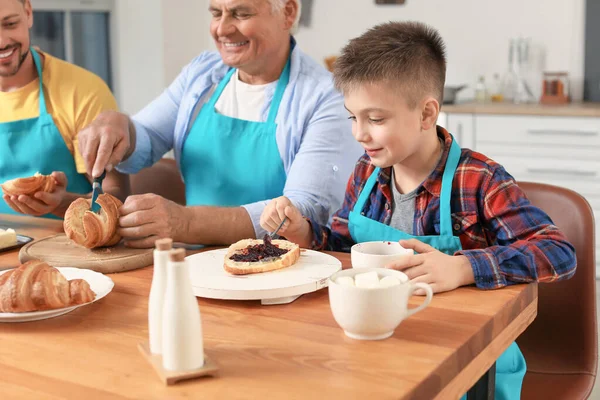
[{"x": 429, "y": 116}]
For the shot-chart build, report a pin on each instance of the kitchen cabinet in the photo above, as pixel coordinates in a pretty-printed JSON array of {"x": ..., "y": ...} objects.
[
  {"x": 462, "y": 127},
  {"x": 560, "y": 150}
]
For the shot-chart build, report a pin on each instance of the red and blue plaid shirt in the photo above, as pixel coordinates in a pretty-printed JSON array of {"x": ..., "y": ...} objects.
[{"x": 506, "y": 239}]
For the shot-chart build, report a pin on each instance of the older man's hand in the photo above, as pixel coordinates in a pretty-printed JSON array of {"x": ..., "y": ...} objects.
[
  {"x": 148, "y": 217},
  {"x": 105, "y": 142}
]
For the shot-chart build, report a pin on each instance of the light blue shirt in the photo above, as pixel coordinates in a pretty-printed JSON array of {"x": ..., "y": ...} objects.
[{"x": 314, "y": 135}]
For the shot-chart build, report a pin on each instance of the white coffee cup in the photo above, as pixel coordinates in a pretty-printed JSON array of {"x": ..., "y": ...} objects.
[
  {"x": 373, "y": 313},
  {"x": 377, "y": 254}
]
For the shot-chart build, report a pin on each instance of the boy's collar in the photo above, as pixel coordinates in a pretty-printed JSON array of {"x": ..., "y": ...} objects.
[{"x": 433, "y": 183}]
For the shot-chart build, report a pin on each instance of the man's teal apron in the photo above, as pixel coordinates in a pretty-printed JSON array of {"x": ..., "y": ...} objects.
[
  {"x": 36, "y": 145},
  {"x": 510, "y": 367},
  {"x": 230, "y": 162}
]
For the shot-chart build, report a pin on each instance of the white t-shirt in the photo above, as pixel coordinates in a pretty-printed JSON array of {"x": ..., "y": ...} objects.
[{"x": 241, "y": 100}]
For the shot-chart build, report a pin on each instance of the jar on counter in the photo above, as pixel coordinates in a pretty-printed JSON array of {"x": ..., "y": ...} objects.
[
  {"x": 496, "y": 95},
  {"x": 480, "y": 90}
]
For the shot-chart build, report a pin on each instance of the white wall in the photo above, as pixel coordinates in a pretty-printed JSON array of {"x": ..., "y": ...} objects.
[
  {"x": 155, "y": 39},
  {"x": 476, "y": 32},
  {"x": 140, "y": 56},
  {"x": 185, "y": 33}
]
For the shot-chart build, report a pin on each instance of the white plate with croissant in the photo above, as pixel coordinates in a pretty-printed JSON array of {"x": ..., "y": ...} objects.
[{"x": 35, "y": 291}]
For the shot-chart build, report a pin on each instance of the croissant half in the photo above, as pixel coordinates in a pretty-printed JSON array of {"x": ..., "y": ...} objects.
[
  {"x": 92, "y": 230},
  {"x": 29, "y": 186},
  {"x": 36, "y": 286}
]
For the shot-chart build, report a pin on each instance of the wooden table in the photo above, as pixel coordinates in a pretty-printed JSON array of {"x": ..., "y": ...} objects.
[{"x": 294, "y": 351}]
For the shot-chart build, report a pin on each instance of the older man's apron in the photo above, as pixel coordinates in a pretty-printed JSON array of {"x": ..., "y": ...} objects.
[{"x": 229, "y": 161}]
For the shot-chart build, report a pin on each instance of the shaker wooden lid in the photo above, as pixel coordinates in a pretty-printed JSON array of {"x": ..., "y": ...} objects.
[
  {"x": 177, "y": 255},
  {"x": 164, "y": 244}
]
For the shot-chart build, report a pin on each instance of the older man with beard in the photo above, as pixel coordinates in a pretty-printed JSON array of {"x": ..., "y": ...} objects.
[
  {"x": 44, "y": 103},
  {"x": 255, "y": 120}
]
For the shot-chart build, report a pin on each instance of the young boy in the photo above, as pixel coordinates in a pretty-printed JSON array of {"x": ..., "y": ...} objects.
[{"x": 461, "y": 212}]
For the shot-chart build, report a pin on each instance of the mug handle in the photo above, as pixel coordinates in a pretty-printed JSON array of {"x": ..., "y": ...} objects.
[{"x": 428, "y": 292}]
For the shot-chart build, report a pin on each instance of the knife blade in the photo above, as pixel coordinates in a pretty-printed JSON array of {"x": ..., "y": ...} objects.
[{"x": 96, "y": 191}]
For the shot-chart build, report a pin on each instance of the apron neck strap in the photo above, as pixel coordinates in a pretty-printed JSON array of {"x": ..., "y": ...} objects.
[
  {"x": 38, "y": 66},
  {"x": 446, "y": 191},
  {"x": 445, "y": 195},
  {"x": 220, "y": 87},
  {"x": 284, "y": 78},
  {"x": 366, "y": 191}
]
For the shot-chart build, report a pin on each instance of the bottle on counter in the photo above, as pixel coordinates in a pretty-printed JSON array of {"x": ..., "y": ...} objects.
[
  {"x": 182, "y": 342},
  {"x": 157, "y": 294},
  {"x": 511, "y": 78},
  {"x": 480, "y": 90},
  {"x": 496, "y": 95}
]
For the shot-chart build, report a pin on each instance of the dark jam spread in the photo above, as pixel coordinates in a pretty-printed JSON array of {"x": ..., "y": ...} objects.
[{"x": 259, "y": 252}]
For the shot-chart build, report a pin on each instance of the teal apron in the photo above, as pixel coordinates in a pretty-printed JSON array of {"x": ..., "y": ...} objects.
[
  {"x": 230, "y": 162},
  {"x": 510, "y": 366},
  {"x": 36, "y": 145}
]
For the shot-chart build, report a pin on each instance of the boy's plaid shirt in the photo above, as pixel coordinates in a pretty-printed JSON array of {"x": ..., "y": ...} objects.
[{"x": 506, "y": 239}]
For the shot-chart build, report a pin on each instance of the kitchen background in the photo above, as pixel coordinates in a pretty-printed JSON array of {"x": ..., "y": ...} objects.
[
  {"x": 139, "y": 47},
  {"x": 151, "y": 40}
]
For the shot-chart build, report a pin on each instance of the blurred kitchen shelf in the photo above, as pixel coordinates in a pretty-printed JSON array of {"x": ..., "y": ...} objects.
[{"x": 566, "y": 110}]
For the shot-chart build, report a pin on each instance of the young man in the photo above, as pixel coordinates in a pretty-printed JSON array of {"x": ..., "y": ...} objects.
[
  {"x": 461, "y": 212},
  {"x": 44, "y": 103}
]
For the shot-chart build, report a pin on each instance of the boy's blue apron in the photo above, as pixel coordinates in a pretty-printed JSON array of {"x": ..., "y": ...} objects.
[
  {"x": 228, "y": 161},
  {"x": 510, "y": 367},
  {"x": 36, "y": 145}
]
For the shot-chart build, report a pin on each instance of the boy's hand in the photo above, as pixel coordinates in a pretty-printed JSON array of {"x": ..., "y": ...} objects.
[
  {"x": 441, "y": 271},
  {"x": 295, "y": 229},
  {"x": 41, "y": 203}
]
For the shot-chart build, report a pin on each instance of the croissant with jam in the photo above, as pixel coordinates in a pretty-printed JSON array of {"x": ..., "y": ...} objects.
[
  {"x": 252, "y": 256},
  {"x": 92, "y": 230},
  {"x": 30, "y": 185},
  {"x": 36, "y": 286}
]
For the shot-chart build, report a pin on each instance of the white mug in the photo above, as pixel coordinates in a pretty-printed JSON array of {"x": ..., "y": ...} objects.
[
  {"x": 373, "y": 313},
  {"x": 377, "y": 254}
]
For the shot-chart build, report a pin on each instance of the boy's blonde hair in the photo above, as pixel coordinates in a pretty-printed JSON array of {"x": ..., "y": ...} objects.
[{"x": 410, "y": 56}]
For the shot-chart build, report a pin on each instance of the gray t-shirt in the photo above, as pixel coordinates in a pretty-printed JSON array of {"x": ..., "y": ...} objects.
[{"x": 403, "y": 208}]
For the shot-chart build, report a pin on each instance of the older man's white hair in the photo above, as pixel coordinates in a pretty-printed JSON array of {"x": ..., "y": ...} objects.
[{"x": 278, "y": 6}]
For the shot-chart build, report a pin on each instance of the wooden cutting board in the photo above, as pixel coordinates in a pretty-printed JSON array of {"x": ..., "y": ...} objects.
[{"x": 59, "y": 251}]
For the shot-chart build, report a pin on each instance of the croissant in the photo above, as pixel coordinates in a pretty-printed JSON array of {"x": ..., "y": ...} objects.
[
  {"x": 92, "y": 230},
  {"x": 36, "y": 286},
  {"x": 29, "y": 186}
]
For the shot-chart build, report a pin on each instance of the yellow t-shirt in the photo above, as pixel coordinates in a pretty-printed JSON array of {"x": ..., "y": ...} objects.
[{"x": 74, "y": 97}]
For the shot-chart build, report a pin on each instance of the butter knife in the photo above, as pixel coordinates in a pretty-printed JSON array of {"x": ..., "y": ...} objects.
[
  {"x": 96, "y": 191},
  {"x": 274, "y": 233}
]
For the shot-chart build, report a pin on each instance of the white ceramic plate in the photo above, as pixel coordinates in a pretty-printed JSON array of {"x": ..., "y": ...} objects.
[
  {"x": 310, "y": 273},
  {"x": 99, "y": 283}
]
